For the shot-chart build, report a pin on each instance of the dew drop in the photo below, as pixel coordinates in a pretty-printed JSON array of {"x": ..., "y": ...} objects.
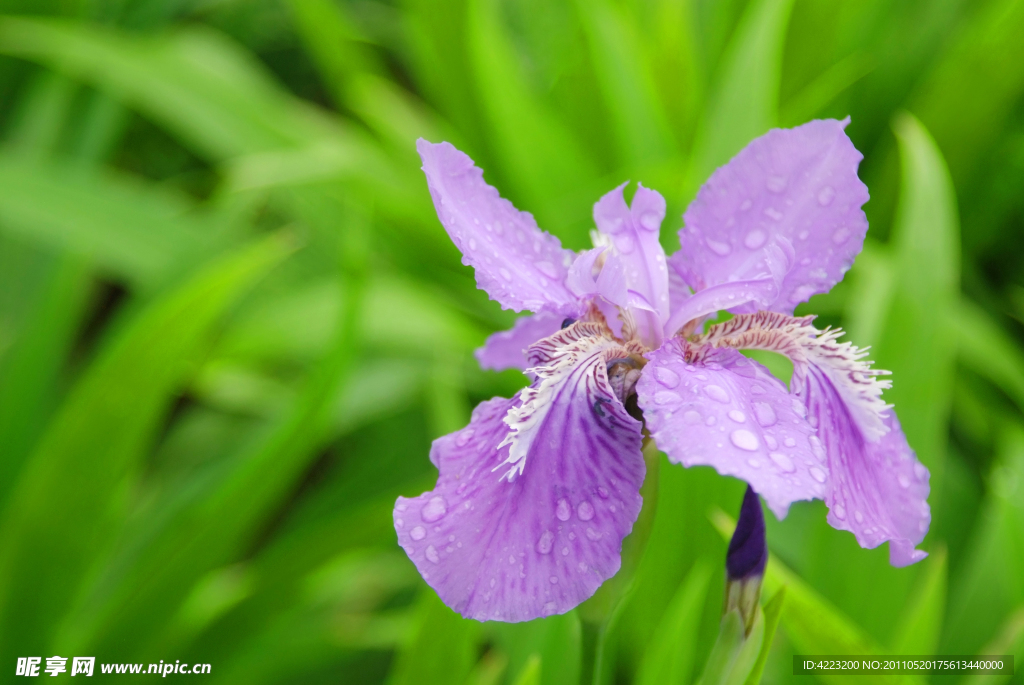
[
  {"x": 816, "y": 447},
  {"x": 825, "y": 197},
  {"x": 650, "y": 221},
  {"x": 776, "y": 184},
  {"x": 903, "y": 481},
  {"x": 472, "y": 244},
  {"x": 773, "y": 214},
  {"x": 434, "y": 509},
  {"x": 493, "y": 582},
  {"x": 545, "y": 542},
  {"x": 505, "y": 273},
  {"x": 719, "y": 248},
  {"x": 817, "y": 474},
  {"x": 624, "y": 243},
  {"x": 553, "y": 580},
  {"x": 666, "y": 377},
  {"x": 418, "y": 533},
  {"x": 803, "y": 235},
  {"x": 841, "y": 236},
  {"x": 799, "y": 408},
  {"x": 737, "y": 416},
  {"x": 711, "y": 421},
  {"x": 744, "y": 439},
  {"x": 754, "y": 463},
  {"x": 756, "y": 389},
  {"x": 464, "y": 437},
  {"x": 582, "y": 567},
  {"x": 716, "y": 393},
  {"x": 789, "y": 442},
  {"x": 602, "y": 493},
  {"x": 511, "y": 559},
  {"x": 755, "y": 239},
  {"x": 920, "y": 471},
  {"x": 840, "y": 511},
  {"x": 746, "y": 204},
  {"x": 770, "y": 440},
  {"x": 562, "y": 510},
  {"x": 585, "y": 510},
  {"x": 665, "y": 397},
  {"x": 432, "y": 554},
  {"x": 859, "y": 516},
  {"x": 692, "y": 417},
  {"x": 764, "y": 414},
  {"x": 593, "y": 534},
  {"x": 550, "y": 607},
  {"x": 548, "y": 269},
  {"x": 782, "y": 461}
]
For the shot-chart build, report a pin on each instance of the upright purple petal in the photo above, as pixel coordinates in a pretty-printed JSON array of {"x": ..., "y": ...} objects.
[
  {"x": 794, "y": 190},
  {"x": 544, "y": 542},
  {"x": 507, "y": 349},
  {"x": 635, "y": 274},
  {"x": 878, "y": 490},
  {"x": 517, "y": 264},
  {"x": 729, "y": 412}
]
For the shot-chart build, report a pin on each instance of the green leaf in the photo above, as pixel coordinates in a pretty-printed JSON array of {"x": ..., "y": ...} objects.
[
  {"x": 921, "y": 623},
  {"x": 912, "y": 345},
  {"x": 734, "y": 653},
  {"x": 442, "y": 648},
  {"x": 640, "y": 125},
  {"x": 744, "y": 103},
  {"x": 530, "y": 673},
  {"x": 670, "y": 658},
  {"x": 541, "y": 158},
  {"x": 772, "y": 614},
  {"x": 985, "y": 347},
  {"x": 135, "y": 233},
  {"x": 555, "y": 640},
  {"x": 72, "y": 491}
]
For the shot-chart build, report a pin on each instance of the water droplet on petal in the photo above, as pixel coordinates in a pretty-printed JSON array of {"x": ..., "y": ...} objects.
[
  {"x": 776, "y": 184},
  {"x": 773, "y": 214},
  {"x": 418, "y": 533},
  {"x": 464, "y": 437},
  {"x": 553, "y": 580},
  {"x": 562, "y": 510},
  {"x": 651, "y": 221},
  {"x": 624, "y": 243},
  {"x": 782, "y": 461},
  {"x": 399, "y": 523},
  {"x": 545, "y": 542},
  {"x": 744, "y": 439},
  {"x": 582, "y": 567},
  {"x": 666, "y": 377},
  {"x": 816, "y": 447},
  {"x": 756, "y": 389},
  {"x": 841, "y": 236},
  {"x": 472, "y": 244},
  {"x": 593, "y": 534},
  {"x": 825, "y": 197},
  {"x": 432, "y": 554},
  {"x": 585, "y": 510},
  {"x": 745, "y": 205},
  {"x": 764, "y": 414},
  {"x": 434, "y": 509},
  {"x": 550, "y": 608},
  {"x": 859, "y": 516},
  {"x": 755, "y": 239},
  {"x": 711, "y": 421},
  {"x": 818, "y": 474},
  {"x": 803, "y": 235},
  {"x": 548, "y": 269},
  {"x": 719, "y": 248},
  {"x": 754, "y": 463},
  {"x": 505, "y": 273},
  {"x": 789, "y": 442},
  {"x": 920, "y": 471},
  {"x": 665, "y": 397},
  {"x": 737, "y": 416},
  {"x": 840, "y": 511},
  {"x": 716, "y": 393},
  {"x": 692, "y": 417},
  {"x": 769, "y": 440},
  {"x": 603, "y": 493},
  {"x": 903, "y": 480}
]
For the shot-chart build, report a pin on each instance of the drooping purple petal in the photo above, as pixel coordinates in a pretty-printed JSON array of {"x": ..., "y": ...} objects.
[
  {"x": 794, "y": 189},
  {"x": 729, "y": 412},
  {"x": 517, "y": 264},
  {"x": 635, "y": 274},
  {"x": 877, "y": 490},
  {"x": 544, "y": 542},
  {"x": 507, "y": 349}
]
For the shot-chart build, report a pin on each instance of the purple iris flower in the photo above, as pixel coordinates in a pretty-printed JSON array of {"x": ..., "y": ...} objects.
[{"x": 536, "y": 494}]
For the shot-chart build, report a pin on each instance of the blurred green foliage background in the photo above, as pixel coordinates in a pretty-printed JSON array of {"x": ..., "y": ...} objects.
[{"x": 231, "y": 324}]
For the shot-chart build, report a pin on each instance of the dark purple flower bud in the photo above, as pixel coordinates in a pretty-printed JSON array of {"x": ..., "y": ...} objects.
[
  {"x": 745, "y": 561},
  {"x": 748, "y": 551}
]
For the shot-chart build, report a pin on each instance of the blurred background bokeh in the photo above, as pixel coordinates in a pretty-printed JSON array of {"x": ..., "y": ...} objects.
[{"x": 231, "y": 324}]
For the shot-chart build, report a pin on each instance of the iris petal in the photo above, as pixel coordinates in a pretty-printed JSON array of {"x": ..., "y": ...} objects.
[{"x": 507, "y": 349}]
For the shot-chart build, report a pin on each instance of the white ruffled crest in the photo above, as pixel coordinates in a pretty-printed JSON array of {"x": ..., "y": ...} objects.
[
  {"x": 845, "y": 365},
  {"x": 578, "y": 353}
]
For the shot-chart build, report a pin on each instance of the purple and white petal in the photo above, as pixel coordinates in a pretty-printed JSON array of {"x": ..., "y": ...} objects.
[
  {"x": 635, "y": 274},
  {"x": 795, "y": 189},
  {"x": 517, "y": 264},
  {"x": 729, "y": 412},
  {"x": 544, "y": 542},
  {"x": 877, "y": 490},
  {"x": 507, "y": 349}
]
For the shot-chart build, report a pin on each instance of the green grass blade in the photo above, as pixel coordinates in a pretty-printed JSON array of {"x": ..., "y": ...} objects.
[
  {"x": 772, "y": 615},
  {"x": 71, "y": 494},
  {"x": 442, "y": 648},
  {"x": 921, "y": 623},
  {"x": 985, "y": 347},
  {"x": 744, "y": 102}
]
